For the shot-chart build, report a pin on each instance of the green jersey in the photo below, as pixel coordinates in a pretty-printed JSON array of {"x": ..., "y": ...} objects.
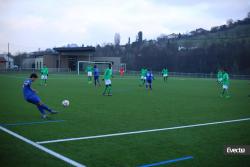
[
  {"x": 107, "y": 74},
  {"x": 225, "y": 79},
  {"x": 89, "y": 69},
  {"x": 145, "y": 72},
  {"x": 219, "y": 74},
  {"x": 165, "y": 71},
  {"x": 44, "y": 71},
  {"x": 142, "y": 72}
]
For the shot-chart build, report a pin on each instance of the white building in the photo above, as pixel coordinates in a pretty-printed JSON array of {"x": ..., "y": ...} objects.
[{"x": 6, "y": 62}]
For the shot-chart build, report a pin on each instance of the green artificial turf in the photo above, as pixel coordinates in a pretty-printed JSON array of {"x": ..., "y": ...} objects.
[{"x": 180, "y": 101}]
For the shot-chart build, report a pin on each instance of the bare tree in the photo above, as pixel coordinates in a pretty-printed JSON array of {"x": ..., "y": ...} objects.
[{"x": 117, "y": 39}]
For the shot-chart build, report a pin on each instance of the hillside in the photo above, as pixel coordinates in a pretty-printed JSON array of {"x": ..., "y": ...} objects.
[{"x": 236, "y": 32}]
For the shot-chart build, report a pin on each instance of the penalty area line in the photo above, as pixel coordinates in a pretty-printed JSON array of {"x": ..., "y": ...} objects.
[
  {"x": 142, "y": 131},
  {"x": 168, "y": 161},
  {"x": 32, "y": 123},
  {"x": 53, "y": 153}
]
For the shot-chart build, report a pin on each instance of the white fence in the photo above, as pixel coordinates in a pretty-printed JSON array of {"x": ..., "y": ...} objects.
[
  {"x": 191, "y": 75},
  {"x": 131, "y": 73},
  {"x": 51, "y": 70}
]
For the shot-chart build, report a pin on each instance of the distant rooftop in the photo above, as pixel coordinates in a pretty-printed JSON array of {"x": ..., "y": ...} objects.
[
  {"x": 75, "y": 49},
  {"x": 2, "y": 60}
]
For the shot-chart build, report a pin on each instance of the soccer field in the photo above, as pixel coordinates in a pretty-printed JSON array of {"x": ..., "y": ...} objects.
[{"x": 177, "y": 112}]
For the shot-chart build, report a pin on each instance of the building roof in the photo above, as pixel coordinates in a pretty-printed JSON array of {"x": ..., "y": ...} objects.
[
  {"x": 2, "y": 60},
  {"x": 75, "y": 49},
  {"x": 42, "y": 53}
]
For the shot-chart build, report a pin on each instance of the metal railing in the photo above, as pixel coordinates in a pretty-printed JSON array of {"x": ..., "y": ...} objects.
[
  {"x": 128, "y": 72},
  {"x": 51, "y": 70},
  {"x": 191, "y": 75}
]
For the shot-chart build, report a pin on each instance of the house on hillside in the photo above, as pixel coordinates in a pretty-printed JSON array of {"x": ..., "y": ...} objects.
[
  {"x": 198, "y": 31},
  {"x": 172, "y": 36}
]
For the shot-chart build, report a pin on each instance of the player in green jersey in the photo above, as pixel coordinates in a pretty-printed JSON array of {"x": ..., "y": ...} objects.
[
  {"x": 165, "y": 74},
  {"x": 145, "y": 74},
  {"x": 225, "y": 84},
  {"x": 142, "y": 77},
  {"x": 107, "y": 80},
  {"x": 44, "y": 75},
  {"x": 219, "y": 76},
  {"x": 89, "y": 71}
]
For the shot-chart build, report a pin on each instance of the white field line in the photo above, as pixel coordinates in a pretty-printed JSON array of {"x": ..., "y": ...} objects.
[
  {"x": 55, "y": 154},
  {"x": 142, "y": 131}
]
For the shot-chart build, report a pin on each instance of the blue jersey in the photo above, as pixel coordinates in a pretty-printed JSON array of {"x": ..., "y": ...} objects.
[
  {"x": 149, "y": 76},
  {"x": 27, "y": 91},
  {"x": 96, "y": 72}
]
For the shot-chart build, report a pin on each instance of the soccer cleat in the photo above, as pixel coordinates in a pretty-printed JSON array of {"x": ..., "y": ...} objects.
[
  {"x": 53, "y": 112},
  {"x": 110, "y": 94},
  {"x": 44, "y": 116},
  {"x": 227, "y": 96}
]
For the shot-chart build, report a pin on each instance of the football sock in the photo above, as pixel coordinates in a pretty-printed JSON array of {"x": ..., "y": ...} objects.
[
  {"x": 223, "y": 92},
  {"x": 105, "y": 89},
  {"x": 41, "y": 109},
  {"x": 109, "y": 90},
  {"x": 46, "y": 107}
]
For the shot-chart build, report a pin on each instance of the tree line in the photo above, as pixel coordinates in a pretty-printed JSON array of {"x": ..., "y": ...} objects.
[{"x": 226, "y": 46}]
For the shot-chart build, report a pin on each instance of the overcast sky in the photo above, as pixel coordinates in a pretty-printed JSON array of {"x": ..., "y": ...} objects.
[{"x": 32, "y": 24}]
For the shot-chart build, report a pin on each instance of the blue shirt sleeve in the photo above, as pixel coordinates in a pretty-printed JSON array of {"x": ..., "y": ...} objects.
[{"x": 27, "y": 83}]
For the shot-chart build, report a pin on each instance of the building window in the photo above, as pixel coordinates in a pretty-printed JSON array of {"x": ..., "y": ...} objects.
[{"x": 40, "y": 65}]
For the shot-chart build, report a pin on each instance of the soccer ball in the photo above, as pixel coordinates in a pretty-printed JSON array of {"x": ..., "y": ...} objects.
[{"x": 65, "y": 103}]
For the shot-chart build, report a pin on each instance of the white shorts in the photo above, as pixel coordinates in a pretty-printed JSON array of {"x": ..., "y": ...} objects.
[
  {"x": 219, "y": 79},
  {"x": 142, "y": 77},
  {"x": 44, "y": 77},
  {"x": 225, "y": 86},
  {"x": 89, "y": 74},
  {"x": 165, "y": 75},
  {"x": 108, "y": 82}
]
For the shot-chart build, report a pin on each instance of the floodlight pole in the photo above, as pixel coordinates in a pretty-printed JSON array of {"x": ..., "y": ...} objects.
[
  {"x": 59, "y": 62},
  {"x": 8, "y": 65},
  {"x": 78, "y": 71}
]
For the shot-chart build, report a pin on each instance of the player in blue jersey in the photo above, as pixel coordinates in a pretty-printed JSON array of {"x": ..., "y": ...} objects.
[
  {"x": 30, "y": 95},
  {"x": 96, "y": 75},
  {"x": 149, "y": 79}
]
